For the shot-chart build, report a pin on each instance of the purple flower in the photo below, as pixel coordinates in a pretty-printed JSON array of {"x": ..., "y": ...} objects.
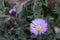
[
  {"x": 12, "y": 10},
  {"x": 38, "y": 26}
]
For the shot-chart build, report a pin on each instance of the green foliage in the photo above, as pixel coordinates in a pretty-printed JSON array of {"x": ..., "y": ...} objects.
[
  {"x": 17, "y": 27},
  {"x": 58, "y": 35}
]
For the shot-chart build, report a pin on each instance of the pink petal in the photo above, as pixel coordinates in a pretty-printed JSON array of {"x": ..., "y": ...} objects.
[
  {"x": 34, "y": 31},
  {"x": 32, "y": 25}
]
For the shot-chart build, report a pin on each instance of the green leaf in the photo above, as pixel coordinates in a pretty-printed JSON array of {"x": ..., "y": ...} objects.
[
  {"x": 57, "y": 9},
  {"x": 58, "y": 35},
  {"x": 36, "y": 9},
  {"x": 50, "y": 37},
  {"x": 43, "y": 1},
  {"x": 1, "y": 7},
  {"x": 1, "y": 4}
]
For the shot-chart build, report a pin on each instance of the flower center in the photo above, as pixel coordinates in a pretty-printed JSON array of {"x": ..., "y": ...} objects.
[{"x": 38, "y": 27}]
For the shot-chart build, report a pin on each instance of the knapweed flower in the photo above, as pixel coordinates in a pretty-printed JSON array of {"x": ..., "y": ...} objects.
[
  {"x": 12, "y": 10},
  {"x": 38, "y": 26}
]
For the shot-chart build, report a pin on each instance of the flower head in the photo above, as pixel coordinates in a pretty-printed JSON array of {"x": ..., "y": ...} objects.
[
  {"x": 38, "y": 26},
  {"x": 12, "y": 10}
]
